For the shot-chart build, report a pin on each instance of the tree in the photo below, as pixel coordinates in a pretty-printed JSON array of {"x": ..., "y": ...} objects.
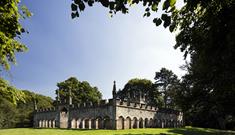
[
  {"x": 206, "y": 31},
  {"x": 26, "y": 109},
  {"x": 135, "y": 86},
  {"x": 8, "y": 113},
  {"x": 167, "y": 82},
  {"x": 20, "y": 104},
  {"x": 81, "y": 92},
  {"x": 10, "y": 93},
  {"x": 10, "y": 30}
]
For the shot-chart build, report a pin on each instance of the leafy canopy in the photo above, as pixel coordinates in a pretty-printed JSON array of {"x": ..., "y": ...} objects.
[
  {"x": 81, "y": 92},
  {"x": 10, "y": 31},
  {"x": 135, "y": 86},
  {"x": 167, "y": 82}
]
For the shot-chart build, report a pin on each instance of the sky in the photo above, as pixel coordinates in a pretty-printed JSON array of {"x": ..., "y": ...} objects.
[{"x": 94, "y": 48}]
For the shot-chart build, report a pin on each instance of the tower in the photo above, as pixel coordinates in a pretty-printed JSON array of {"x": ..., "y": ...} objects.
[{"x": 114, "y": 90}]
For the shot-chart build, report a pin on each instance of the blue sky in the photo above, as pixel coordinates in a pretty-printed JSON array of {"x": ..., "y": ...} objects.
[{"x": 93, "y": 48}]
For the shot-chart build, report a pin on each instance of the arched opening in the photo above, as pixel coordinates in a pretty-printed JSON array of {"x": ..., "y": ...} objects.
[
  {"x": 78, "y": 122},
  {"x": 53, "y": 124},
  {"x": 151, "y": 123},
  {"x": 120, "y": 123},
  {"x": 39, "y": 123},
  {"x": 154, "y": 123},
  {"x": 100, "y": 123},
  {"x": 128, "y": 123},
  {"x": 64, "y": 118},
  {"x": 135, "y": 123},
  {"x": 107, "y": 122},
  {"x": 146, "y": 123},
  {"x": 87, "y": 123},
  {"x": 73, "y": 123},
  {"x": 141, "y": 122},
  {"x": 93, "y": 123}
]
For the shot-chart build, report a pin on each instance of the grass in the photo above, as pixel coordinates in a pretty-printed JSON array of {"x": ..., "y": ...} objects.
[{"x": 148, "y": 131}]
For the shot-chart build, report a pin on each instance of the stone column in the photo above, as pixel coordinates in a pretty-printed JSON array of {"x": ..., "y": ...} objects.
[
  {"x": 53, "y": 124},
  {"x": 49, "y": 123},
  {"x": 83, "y": 124},
  {"x": 137, "y": 121},
  {"x": 143, "y": 123},
  {"x": 46, "y": 124},
  {"x": 89, "y": 124}
]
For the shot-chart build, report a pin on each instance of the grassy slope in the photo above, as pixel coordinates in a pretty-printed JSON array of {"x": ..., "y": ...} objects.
[{"x": 157, "y": 131}]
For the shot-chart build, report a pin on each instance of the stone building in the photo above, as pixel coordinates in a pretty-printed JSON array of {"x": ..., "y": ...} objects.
[{"x": 108, "y": 114}]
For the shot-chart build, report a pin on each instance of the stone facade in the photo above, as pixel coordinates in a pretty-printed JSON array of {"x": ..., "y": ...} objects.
[{"x": 111, "y": 114}]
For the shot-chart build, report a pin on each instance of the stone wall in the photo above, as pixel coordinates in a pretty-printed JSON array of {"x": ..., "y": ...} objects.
[{"x": 111, "y": 114}]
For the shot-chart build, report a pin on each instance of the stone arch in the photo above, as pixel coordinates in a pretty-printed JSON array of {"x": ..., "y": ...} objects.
[
  {"x": 141, "y": 123},
  {"x": 107, "y": 123},
  {"x": 151, "y": 122},
  {"x": 46, "y": 123},
  {"x": 93, "y": 123},
  {"x": 146, "y": 122},
  {"x": 128, "y": 123},
  {"x": 78, "y": 122},
  {"x": 39, "y": 123},
  {"x": 120, "y": 122},
  {"x": 135, "y": 122},
  {"x": 53, "y": 124},
  {"x": 163, "y": 123},
  {"x": 63, "y": 118},
  {"x": 82, "y": 123},
  {"x": 73, "y": 123},
  {"x": 155, "y": 121},
  {"x": 99, "y": 122},
  {"x": 87, "y": 123}
]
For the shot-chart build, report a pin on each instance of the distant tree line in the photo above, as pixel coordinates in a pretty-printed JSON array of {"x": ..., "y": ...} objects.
[{"x": 17, "y": 106}]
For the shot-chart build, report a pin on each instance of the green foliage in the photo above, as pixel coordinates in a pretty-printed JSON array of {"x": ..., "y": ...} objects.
[
  {"x": 8, "y": 113},
  {"x": 167, "y": 82},
  {"x": 208, "y": 88},
  {"x": 17, "y": 106},
  {"x": 81, "y": 92},
  {"x": 10, "y": 93},
  {"x": 144, "y": 86},
  {"x": 206, "y": 32},
  {"x": 10, "y": 29},
  {"x": 26, "y": 109},
  {"x": 114, "y": 6}
]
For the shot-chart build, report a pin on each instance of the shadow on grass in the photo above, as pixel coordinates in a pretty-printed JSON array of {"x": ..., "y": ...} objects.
[
  {"x": 140, "y": 134},
  {"x": 189, "y": 131},
  {"x": 199, "y": 131}
]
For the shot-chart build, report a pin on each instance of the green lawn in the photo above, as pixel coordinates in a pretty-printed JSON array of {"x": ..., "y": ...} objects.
[{"x": 156, "y": 131}]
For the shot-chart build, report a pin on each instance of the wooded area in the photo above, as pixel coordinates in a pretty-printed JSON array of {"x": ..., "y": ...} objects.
[{"x": 206, "y": 35}]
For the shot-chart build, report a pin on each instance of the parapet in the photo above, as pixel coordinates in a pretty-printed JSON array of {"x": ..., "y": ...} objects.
[
  {"x": 52, "y": 109},
  {"x": 128, "y": 104},
  {"x": 109, "y": 102}
]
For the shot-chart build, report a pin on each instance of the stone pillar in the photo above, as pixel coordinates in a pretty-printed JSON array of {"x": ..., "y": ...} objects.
[
  {"x": 163, "y": 123},
  {"x": 143, "y": 123},
  {"x": 96, "y": 124},
  {"x": 124, "y": 124},
  {"x": 77, "y": 123},
  {"x": 89, "y": 124},
  {"x": 137, "y": 121},
  {"x": 83, "y": 124},
  {"x": 46, "y": 124},
  {"x": 49, "y": 123},
  {"x": 53, "y": 123}
]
